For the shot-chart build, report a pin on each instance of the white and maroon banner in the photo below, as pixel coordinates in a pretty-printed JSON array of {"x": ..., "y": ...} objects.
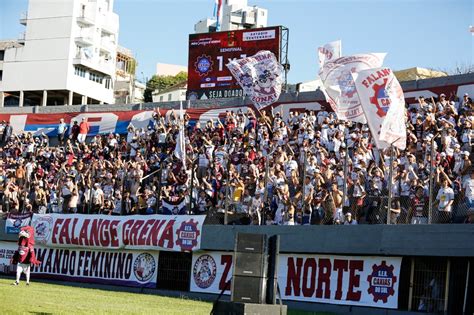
[
  {"x": 260, "y": 76},
  {"x": 211, "y": 272},
  {"x": 347, "y": 280},
  {"x": 7, "y": 249},
  {"x": 151, "y": 232},
  {"x": 124, "y": 267},
  {"x": 340, "y": 87},
  {"x": 383, "y": 103},
  {"x": 15, "y": 221},
  {"x": 328, "y": 53}
]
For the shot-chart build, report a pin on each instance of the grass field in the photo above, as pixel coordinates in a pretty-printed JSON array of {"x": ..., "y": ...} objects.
[{"x": 47, "y": 298}]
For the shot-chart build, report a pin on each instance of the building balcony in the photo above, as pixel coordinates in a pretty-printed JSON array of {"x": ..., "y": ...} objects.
[
  {"x": 84, "y": 40},
  {"x": 85, "y": 20},
  {"x": 108, "y": 47},
  {"x": 23, "y": 18},
  {"x": 95, "y": 63},
  {"x": 110, "y": 24},
  {"x": 22, "y": 38}
]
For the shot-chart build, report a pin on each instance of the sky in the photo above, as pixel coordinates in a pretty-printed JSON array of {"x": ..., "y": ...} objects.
[{"x": 424, "y": 33}]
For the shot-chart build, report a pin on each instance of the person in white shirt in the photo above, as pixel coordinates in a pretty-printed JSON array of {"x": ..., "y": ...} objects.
[
  {"x": 468, "y": 192},
  {"x": 445, "y": 198}
]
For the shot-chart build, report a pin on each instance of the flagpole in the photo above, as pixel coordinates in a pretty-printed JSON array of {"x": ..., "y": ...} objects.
[
  {"x": 389, "y": 185},
  {"x": 346, "y": 170}
]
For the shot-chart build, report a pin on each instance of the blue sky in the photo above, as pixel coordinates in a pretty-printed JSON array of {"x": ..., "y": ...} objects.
[{"x": 425, "y": 33}]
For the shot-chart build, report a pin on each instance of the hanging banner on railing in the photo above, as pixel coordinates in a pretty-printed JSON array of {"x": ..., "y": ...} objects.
[
  {"x": 153, "y": 232},
  {"x": 345, "y": 280},
  {"x": 124, "y": 267},
  {"x": 15, "y": 221}
]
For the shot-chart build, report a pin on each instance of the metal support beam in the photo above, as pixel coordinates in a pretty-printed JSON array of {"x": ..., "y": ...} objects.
[
  {"x": 44, "y": 99},
  {"x": 22, "y": 99}
]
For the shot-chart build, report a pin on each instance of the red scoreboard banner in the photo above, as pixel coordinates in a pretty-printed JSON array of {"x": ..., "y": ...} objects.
[{"x": 208, "y": 76}]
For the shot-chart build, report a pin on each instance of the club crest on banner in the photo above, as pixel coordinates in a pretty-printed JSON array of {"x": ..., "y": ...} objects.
[
  {"x": 144, "y": 267},
  {"x": 381, "y": 98},
  {"x": 42, "y": 226},
  {"x": 381, "y": 282},
  {"x": 187, "y": 235},
  {"x": 260, "y": 76},
  {"x": 204, "y": 271},
  {"x": 346, "y": 84}
]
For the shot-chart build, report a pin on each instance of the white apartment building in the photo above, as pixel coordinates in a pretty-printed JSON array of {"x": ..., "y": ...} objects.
[
  {"x": 67, "y": 54},
  {"x": 236, "y": 15}
]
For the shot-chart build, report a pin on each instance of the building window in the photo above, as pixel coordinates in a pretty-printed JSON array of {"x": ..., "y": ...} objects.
[
  {"x": 2, "y": 54},
  {"x": 80, "y": 72},
  {"x": 108, "y": 83},
  {"x": 169, "y": 97},
  {"x": 1, "y": 75},
  {"x": 161, "y": 98},
  {"x": 96, "y": 77}
]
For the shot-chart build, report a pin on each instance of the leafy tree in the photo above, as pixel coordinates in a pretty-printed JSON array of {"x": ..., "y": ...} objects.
[{"x": 162, "y": 82}]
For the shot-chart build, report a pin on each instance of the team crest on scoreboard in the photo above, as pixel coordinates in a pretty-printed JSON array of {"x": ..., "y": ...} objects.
[
  {"x": 144, "y": 267},
  {"x": 381, "y": 282},
  {"x": 203, "y": 65},
  {"x": 204, "y": 271}
]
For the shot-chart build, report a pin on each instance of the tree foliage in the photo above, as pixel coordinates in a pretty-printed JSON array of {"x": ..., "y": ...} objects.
[{"x": 162, "y": 82}]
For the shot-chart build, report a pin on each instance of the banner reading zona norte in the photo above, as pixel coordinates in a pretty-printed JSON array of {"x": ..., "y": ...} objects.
[
  {"x": 345, "y": 280},
  {"x": 152, "y": 232}
]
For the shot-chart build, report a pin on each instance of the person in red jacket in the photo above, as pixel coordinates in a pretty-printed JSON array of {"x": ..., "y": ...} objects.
[
  {"x": 83, "y": 130},
  {"x": 25, "y": 255}
]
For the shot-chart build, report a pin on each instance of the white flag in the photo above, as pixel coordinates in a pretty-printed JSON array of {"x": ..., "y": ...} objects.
[
  {"x": 383, "y": 103},
  {"x": 260, "y": 76},
  {"x": 329, "y": 52},
  {"x": 180, "y": 149},
  {"x": 340, "y": 87}
]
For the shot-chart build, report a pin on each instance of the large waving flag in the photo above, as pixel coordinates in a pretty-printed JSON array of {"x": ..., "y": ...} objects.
[
  {"x": 383, "y": 103},
  {"x": 339, "y": 84},
  {"x": 329, "y": 52},
  {"x": 260, "y": 76}
]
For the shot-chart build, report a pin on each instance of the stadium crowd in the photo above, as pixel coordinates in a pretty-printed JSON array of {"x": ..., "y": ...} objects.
[{"x": 268, "y": 168}]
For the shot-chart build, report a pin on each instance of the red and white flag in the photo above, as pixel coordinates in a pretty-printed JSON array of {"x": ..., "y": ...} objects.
[
  {"x": 340, "y": 88},
  {"x": 329, "y": 52},
  {"x": 383, "y": 103},
  {"x": 260, "y": 76}
]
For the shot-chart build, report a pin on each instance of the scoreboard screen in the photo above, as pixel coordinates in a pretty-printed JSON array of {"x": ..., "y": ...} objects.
[{"x": 208, "y": 76}]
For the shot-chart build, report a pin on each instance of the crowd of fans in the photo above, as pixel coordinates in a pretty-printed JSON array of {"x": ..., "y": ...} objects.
[{"x": 260, "y": 167}]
